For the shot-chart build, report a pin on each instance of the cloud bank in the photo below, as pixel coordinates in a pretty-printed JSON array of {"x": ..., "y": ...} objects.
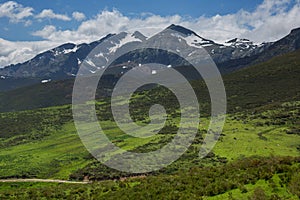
[{"x": 270, "y": 21}]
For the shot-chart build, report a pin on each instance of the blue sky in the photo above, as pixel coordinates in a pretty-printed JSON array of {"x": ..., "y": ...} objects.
[
  {"x": 132, "y": 8},
  {"x": 29, "y": 27},
  {"x": 193, "y": 8}
]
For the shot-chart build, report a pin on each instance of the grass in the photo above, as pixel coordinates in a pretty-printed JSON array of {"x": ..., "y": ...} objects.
[
  {"x": 270, "y": 189},
  {"x": 263, "y": 122},
  {"x": 56, "y": 156},
  {"x": 254, "y": 178},
  {"x": 61, "y": 153},
  {"x": 243, "y": 140}
]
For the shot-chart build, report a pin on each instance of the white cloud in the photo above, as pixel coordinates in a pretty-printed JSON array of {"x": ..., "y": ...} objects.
[
  {"x": 45, "y": 32},
  {"x": 48, "y": 13},
  {"x": 107, "y": 22},
  {"x": 78, "y": 16},
  {"x": 15, "y": 12},
  {"x": 270, "y": 21},
  {"x": 27, "y": 23},
  {"x": 16, "y": 52}
]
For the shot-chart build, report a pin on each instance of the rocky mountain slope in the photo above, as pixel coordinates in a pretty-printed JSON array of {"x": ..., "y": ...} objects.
[{"x": 63, "y": 62}]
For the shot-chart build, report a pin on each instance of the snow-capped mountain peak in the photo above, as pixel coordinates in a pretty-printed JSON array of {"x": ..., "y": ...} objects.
[
  {"x": 124, "y": 39},
  {"x": 65, "y": 49},
  {"x": 241, "y": 43},
  {"x": 63, "y": 61},
  {"x": 180, "y": 29},
  {"x": 192, "y": 38},
  {"x": 139, "y": 35}
]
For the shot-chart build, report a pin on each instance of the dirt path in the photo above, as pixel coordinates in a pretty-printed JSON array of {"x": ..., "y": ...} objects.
[
  {"x": 40, "y": 180},
  {"x": 16, "y": 180}
]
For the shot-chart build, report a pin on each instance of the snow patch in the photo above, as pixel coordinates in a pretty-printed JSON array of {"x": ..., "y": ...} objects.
[
  {"x": 78, "y": 61},
  {"x": 56, "y": 53},
  {"x": 193, "y": 41},
  {"x": 66, "y": 51},
  {"x": 190, "y": 54},
  {"x": 206, "y": 45},
  {"x": 46, "y": 81},
  {"x": 90, "y": 63},
  {"x": 127, "y": 39},
  {"x": 241, "y": 43},
  {"x": 99, "y": 55}
]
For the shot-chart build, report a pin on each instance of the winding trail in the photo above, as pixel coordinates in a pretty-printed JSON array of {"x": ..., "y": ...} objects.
[{"x": 41, "y": 180}]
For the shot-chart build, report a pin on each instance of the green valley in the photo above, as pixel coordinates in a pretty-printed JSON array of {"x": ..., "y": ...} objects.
[{"x": 256, "y": 157}]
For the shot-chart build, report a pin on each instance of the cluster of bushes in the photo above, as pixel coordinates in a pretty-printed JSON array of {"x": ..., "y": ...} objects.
[
  {"x": 210, "y": 181},
  {"x": 196, "y": 183},
  {"x": 25, "y": 126}
]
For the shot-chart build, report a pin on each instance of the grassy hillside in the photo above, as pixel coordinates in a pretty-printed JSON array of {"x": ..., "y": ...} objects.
[
  {"x": 256, "y": 156},
  {"x": 265, "y": 83},
  {"x": 232, "y": 170},
  {"x": 46, "y": 151},
  {"x": 276, "y": 80},
  {"x": 37, "y": 96},
  {"x": 9, "y": 83},
  {"x": 268, "y": 83}
]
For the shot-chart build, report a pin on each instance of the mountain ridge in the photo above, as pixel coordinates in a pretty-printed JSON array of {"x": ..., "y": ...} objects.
[
  {"x": 63, "y": 62},
  {"x": 68, "y": 64}
]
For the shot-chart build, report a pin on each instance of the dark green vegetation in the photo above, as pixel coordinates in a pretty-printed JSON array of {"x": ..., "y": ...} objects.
[
  {"x": 268, "y": 83},
  {"x": 257, "y": 156},
  {"x": 29, "y": 126},
  {"x": 11, "y": 83},
  {"x": 272, "y": 81},
  {"x": 40, "y": 95},
  {"x": 253, "y": 178},
  {"x": 276, "y": 80}
]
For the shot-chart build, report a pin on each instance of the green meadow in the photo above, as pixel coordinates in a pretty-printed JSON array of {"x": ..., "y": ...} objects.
[{"x": 256, "y": 157}]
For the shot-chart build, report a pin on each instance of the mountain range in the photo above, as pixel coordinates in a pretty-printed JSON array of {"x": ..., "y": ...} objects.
[{"x": 63, "y": 61}]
